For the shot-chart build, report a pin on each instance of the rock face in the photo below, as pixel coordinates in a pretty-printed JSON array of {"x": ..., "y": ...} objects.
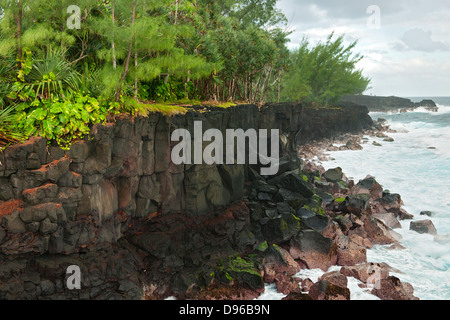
[
  {"x": 383, "y": 104},
  {"x": 139, "y": 226}
]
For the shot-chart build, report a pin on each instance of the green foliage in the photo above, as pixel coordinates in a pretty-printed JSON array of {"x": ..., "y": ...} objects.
[
  {"x": 323, "y": 74},
  {"x": 63, "y": 121},
  {"x": 53, "y": 76},
  {"x": 8, "y": 132},
  {"x": 130, "y": 54}
]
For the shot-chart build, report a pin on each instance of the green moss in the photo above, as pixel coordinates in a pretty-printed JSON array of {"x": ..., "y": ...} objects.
[
  {"x": 342, "y": 184},
  {"x": 238, "y": 264},
  {"x": 315, "y": 205},
  {"x": 263, "y": 246},
  {"x": 225, "y": 105},
  {"x": 339, "y": 200},
  {"x": 166, "y": 109}
]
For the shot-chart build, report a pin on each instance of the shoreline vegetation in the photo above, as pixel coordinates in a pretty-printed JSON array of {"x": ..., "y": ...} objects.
[{"x": 56, "y": 81}]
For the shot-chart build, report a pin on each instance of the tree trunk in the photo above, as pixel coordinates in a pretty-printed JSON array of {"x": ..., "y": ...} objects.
[
  {"x": 113, "y": 45},
  {"x": 279, "y": 86},
  {"x": 176, "y": 11},
  {"x": 18, "y": 19},
  {"x": 135, "y": 78},
  {"x": 127, "y": 61}
]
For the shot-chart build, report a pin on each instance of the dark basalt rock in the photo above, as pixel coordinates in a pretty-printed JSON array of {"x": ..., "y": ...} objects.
[{"x": 116, "y": 206}]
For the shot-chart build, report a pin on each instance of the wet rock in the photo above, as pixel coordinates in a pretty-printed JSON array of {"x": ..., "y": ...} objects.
[
  {"x": 357, "y": 204},
  {"x": 378, "y": 233},
  {"x": 349, "y": 253},
  {"x": 426, "y": 213},
  {"x": 423, "y": 227},
  {"x": 325, "y": 290},
  {"x": 403, "y": 215},
  {"x": 278, "y": 261},
  {"x": 295, "y": 200},
  {"x": 392, "y": 288},
  {"x": 297, "y": 296},
  {"x": 388, "y": 219},
  {"x": 281, "y": 229},
  {"x": 336, "y": 278},
  {"x": 367, "y": 272},
  {"x": 333, "y": 175},
  {"x": 368, "y": 186},
  {"x": 314, "y": 250},
  {"x": 292, "y": 181},
  {"x": 316, "y": 222},
  {"x": 306, "y": 284},
  {"x": 391, "y": 201}
]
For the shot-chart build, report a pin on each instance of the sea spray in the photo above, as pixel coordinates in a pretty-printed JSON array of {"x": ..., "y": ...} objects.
[{"x": 417, "y": 166}]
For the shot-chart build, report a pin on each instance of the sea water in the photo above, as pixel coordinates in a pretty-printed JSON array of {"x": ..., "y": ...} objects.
[{"x": 416, "y": 166}]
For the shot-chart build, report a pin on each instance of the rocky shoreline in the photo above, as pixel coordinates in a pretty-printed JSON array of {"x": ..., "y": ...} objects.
[
  {"x": 336, "y": 221},
  {"x": 140, "y": 227}
]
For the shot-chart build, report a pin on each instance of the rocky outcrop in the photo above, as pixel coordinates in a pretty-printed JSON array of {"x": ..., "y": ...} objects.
[
  {"x": 139, "y": 226},
  {"x": 385, "y": 104}
]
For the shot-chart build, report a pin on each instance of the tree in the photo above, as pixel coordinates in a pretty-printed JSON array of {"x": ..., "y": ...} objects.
[
  {"x": 325, "y": 73},
  {"x": 144, "y": 46}
]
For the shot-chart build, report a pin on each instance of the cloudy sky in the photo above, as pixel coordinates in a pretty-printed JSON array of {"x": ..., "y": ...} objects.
[{"x": 406, "y": 43}]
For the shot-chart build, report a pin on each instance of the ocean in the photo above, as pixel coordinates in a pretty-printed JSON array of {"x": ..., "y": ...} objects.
[{"x": 416, "y": 166}]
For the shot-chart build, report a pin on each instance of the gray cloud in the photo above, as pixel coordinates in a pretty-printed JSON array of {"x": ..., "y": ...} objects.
[
  {"x": 304, "y": 11},
  {"x": 419, "y": 40},
  {"x": 411, "y": 45}
]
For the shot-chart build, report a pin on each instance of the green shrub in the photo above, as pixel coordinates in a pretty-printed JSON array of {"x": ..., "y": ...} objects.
[{"x": 62, "y": 121}]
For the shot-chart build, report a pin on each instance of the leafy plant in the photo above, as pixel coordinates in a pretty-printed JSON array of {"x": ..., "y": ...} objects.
[{"x": 63, "y": 121}]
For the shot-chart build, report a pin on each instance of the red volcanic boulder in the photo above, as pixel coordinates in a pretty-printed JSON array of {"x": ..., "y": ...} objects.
[
  {"x": 392, "y": 288},
  {"x": 278, "y": 261},
  {"x": 325, "y": 290},
  {"x": 379, "y": 233},
  {"x": 349, "y": 253},
  {"x": 336, "y": 278},
  {"x": 314, "y": 250},
  {"x": 368, "y": 186}
]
